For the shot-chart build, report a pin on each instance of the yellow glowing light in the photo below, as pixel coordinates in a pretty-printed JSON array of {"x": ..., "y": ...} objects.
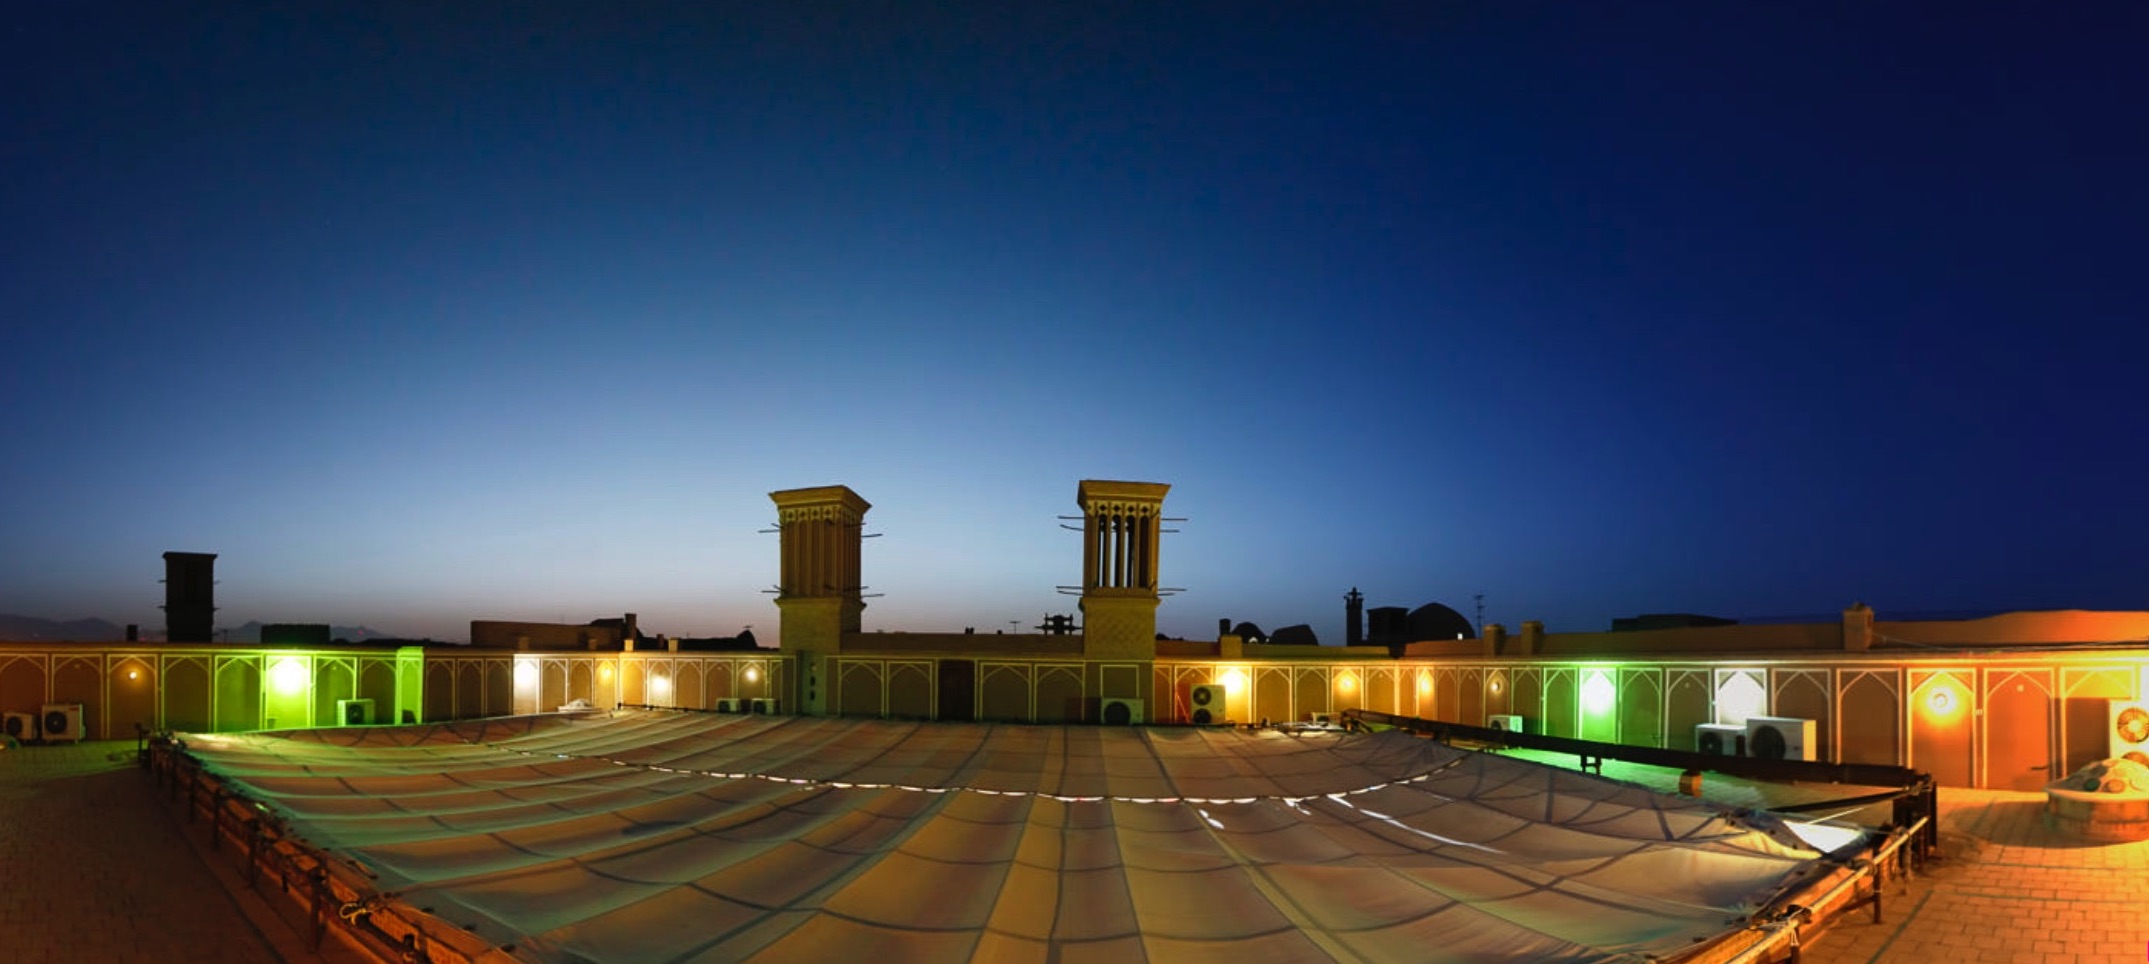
[
  {"x": 1495, "y": 686},
  {"x": 1425, "y": 682},
  {"x": 659, "y": 685},
  {"x": 604, "y": 671},
  {"x": 525, "y": 674},
  {"x": 1233, "y": 680},
  {"x": 1941, "y": 700},
  {"x": 131, "y": 674},
  {"x": 1598, "y": 695},
  {"x": 289, "y": 676},
  {"x": 752, "y": 674},
  {"x": 1346, "y": 682}
]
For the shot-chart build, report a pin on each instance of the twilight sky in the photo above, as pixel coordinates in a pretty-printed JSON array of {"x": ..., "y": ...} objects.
[{"x": 423, "y": 312}]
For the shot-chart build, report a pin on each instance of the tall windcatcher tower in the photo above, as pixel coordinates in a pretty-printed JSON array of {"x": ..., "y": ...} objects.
[
  {"x": 189, "y": 596},
  {"x": 1120, "y": 525},
  {"x": 820, "y": 595}
]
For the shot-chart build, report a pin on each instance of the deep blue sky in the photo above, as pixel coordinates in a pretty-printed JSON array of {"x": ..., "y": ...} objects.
[{"x": 424, "y": 312}]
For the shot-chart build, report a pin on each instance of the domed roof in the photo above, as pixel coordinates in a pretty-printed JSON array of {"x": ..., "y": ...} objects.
[{"x": 1435, "y": 621}]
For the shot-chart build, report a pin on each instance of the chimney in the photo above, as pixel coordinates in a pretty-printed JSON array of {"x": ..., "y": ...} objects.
[
  {"x": 1354, "y": 625},
  {"x": 632, "y": 630},
  {"x": 134, "y": 633}
]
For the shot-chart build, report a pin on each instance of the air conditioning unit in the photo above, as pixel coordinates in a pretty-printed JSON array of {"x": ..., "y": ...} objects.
[
  {"x": 354, "y": 712},
  {"x": 1504, "y": 721},
  {"x": 1781, "y": 738},
  {"x": 1323, "y": 719},
  {"x": 1114, "y": 711},
  {"x": 730, "y": 704},
  {"x": 2129, "y": 732},
  {"x": 1720, "y": 739},
  {"x": 1208, "y": 702},
  {"x": 763, "y": 706},
  {"x": 61, "y": 722},
  {"x": 22, "y": 726}
]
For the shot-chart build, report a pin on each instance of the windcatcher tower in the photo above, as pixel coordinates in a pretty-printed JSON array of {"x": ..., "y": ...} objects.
[
  {"x": 1120, "y": 525},
  {"x": 189, "y": 596},
  {"x": 820, "y": 595}
]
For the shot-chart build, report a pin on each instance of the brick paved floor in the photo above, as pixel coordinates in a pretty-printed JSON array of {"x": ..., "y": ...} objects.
[
  {"x": 97, "y": 869},
  {"x": 2008, "y": 889}
]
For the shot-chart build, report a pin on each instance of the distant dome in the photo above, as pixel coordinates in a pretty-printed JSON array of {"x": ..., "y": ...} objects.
[
  {"x": 1249, "y": 632},
  {"x": 1299, "y": 635},
  {"x": 1435, "y": 621}
]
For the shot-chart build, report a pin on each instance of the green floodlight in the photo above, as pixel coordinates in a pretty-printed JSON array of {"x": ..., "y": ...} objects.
[
  {"x": 1598, "y": 693},
  {"x": 289, "y": 675}
]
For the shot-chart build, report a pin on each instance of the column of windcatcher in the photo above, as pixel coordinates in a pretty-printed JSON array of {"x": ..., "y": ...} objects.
[
  {"x": 819, "y": 593},
  {"x": 1121, "y": 526}
]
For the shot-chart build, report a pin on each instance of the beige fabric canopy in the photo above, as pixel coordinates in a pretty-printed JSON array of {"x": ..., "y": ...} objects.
[{"x": 672, "y": 836}]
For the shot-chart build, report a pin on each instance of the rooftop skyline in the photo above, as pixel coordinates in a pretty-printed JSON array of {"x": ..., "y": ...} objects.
[{"x": 423, "y": 315}]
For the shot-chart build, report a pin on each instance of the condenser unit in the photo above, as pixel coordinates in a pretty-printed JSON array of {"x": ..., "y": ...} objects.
[
  {"x": 1504, "y": 721},
  {"x": 1208, "y": 702},
  {"x": 730, "y": 704},
  {"x": 764, "y": 706},
  {"x": 1115, "y": 711},
  {"x": 21, "y": 726},
  {"x": 354, "y": 712},
  {"x": 2130, "y": 730},
  {"x": 1780, "y": 738},
  {"x": 1720, "y": 739},
  {"x": 61, "y": 722}
]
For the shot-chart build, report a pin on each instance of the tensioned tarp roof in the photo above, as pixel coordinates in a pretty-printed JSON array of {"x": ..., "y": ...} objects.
[{"x": 672, "y": 836}]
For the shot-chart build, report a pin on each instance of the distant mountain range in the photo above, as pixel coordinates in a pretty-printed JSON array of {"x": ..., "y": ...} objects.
[{"x": 30, "y": 629}]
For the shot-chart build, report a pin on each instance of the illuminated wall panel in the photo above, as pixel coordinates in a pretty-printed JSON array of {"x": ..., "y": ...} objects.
[
  {"x": 1597, "y": 704},
  {"x": 1561, "y": 712},
  {"x": 858, "y": 685},
  {"x": 1942, "y": 739},
  {"x": 1641, "y": 707},
  {"x": 238, "y": 694},
  {"x": 134, "y": 700},
  {"x": 334, "y": 679},
  {"x": 22, "y": 683},
  {"x": 1802, "y": 694},
  {"x": 1060, "y": 694},
  {"x": 912, "y": 694},
  {"x": 1472, "y": 685},
  {"x": 186, "y": 694},
  {"x": 2018, "y": 735},
  {"x": 2086, "y": 714},
  {"x": 1528, "y": 684},
  {"x": 1309, "y": 687},
  {"x": 1686, "y": 705},
  {"x": 1272, "y": 694},
  {"x": 1870, "y": 711}
]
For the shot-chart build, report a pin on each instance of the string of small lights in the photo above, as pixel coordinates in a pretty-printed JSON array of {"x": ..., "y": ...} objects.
[{"x": 1288, "y": 800}]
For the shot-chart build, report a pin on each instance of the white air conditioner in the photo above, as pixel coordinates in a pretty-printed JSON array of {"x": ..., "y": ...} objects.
[
  {"x": 61, "y": 722},
  {"x": 2129, "y": 732},
  {"x": 764, "y": 706},
  {"x": 1504, "y": 721},
  {"x": 1113, "y": 711},
  {"x": 1720, "y": 739},
  {"x": 21, "y": 726},
  {"x": 730, "y": 704},
  {"x": 354, "y": 712},
  {"x": 1781, "y": 738},
  {"x": 1207, "y": 704}
]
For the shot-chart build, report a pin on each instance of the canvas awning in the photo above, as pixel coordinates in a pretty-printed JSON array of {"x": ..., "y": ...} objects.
[{"x": 674, "y": 836}]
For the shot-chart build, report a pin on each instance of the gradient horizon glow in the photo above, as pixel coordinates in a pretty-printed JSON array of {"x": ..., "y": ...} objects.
[{"x": 430, "y": 313}]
